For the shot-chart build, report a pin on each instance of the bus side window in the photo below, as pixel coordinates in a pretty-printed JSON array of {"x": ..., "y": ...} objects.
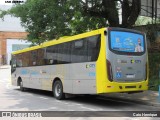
[
  {"x": 33, "y": 57},
  {"x": 93, "y": 47},
  {"x": 25, "y": 59},
  {"x": 19, "y": 60},
  {"x": 79, "y": 51},
  {"x": 51, "y": 55},
  {"x": 78, "y": 44},
  {"x": 66, "y": 54},
  {"x": 41, "y": 57}
]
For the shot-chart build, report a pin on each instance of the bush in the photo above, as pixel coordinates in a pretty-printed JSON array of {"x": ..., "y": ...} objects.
[{"x": 154, "y": 68}]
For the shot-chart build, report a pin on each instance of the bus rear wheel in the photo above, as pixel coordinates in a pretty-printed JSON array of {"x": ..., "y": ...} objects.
[{"x": 58, "y": 90}]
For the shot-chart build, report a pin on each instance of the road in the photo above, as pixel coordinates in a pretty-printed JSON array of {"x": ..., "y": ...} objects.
[{"x": 12, "y": 99}]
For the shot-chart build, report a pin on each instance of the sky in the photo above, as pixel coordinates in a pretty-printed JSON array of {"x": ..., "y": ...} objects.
[
  {"x": 2, "y": 2},
  {"x": 10, "y": 23}
]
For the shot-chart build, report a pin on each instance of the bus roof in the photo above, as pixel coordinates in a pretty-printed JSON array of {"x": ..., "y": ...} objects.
[{"x": 61, "y": 40}]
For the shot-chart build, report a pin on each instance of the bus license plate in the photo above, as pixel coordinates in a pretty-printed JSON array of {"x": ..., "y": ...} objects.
[{"x": 130, "y": 75}]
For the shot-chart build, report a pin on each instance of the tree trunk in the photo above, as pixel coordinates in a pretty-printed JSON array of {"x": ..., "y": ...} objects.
[
  {"x": 130, "y": 13},
  {"x": 111, "y": 12}
]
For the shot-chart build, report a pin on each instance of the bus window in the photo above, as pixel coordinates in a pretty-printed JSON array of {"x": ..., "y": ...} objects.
[
  {"x": 19, "y": 60},
  {"x": 33, "y": 58},
  {"x": 51, "y": 55},
  {"x": 25, "y": 59},
  {"x": 79, "y": 51},
  {"x": 127, "y": 42},
  {"x": 93, "y": 47},
  {"x": 41, "y": 57},
  {"x": 78, "y": 44},
  {"x": 13, "y": 64},
  {"x": 64, "y": 51}
]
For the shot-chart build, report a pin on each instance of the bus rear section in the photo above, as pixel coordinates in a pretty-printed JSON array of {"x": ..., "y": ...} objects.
[{"x": 126, "y": 62}]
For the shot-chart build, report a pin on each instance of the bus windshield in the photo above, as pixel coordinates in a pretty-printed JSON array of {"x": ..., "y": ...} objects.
[{"x": 129, "y": 42}]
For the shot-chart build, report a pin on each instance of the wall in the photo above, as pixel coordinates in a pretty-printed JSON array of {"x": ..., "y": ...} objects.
[{"x": 3, "y": 42}]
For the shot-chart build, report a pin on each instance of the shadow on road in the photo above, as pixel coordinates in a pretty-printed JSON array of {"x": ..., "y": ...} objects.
[{"x": 96, "y": 100}]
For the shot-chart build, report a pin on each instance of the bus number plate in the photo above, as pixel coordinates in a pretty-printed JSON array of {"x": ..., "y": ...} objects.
[{"x": 130, "y": 75}]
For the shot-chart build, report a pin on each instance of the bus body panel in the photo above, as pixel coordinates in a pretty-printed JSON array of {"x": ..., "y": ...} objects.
[
  {"x": 101, "y": 74},
  {"x": 133, "y": 69},
  {"x": 83, "y": 76},
  {"x": 41, "y": 77}
]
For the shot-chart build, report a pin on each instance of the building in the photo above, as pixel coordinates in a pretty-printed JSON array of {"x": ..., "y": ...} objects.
[
  {"x": 11, "y": 41},
  {"x": 12, "y": 36}
]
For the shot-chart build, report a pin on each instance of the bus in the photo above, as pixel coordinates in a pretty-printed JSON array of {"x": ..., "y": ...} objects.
[{"x": 101, "y": 61}]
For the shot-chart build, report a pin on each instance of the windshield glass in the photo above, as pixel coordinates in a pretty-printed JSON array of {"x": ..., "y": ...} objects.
[{"x": 126, "y": 42}]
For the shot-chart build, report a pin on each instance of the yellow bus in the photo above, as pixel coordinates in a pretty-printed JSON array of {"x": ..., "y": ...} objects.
[{"x": 101, "y": 61}]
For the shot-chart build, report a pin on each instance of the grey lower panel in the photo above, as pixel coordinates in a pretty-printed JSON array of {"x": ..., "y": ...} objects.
[
  {"x": 67, "y": 86},
  {"x": 84, "y": 86},
  {"x": 78, "y": 78}
]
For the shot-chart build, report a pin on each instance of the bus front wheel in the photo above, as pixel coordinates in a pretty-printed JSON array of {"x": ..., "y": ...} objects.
[{"x": 58, "y": 90}]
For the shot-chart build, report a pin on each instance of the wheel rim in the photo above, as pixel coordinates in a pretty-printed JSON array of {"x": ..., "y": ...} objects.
[{"x": 57, "y": 90}]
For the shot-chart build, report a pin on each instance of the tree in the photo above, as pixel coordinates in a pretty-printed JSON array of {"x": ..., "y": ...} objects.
[{"x": 48, "y": 19}]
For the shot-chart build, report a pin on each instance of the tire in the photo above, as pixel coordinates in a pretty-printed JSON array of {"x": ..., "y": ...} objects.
[
  {"x": 21, "y": 86},
  {"x": 58, "y": 90}
]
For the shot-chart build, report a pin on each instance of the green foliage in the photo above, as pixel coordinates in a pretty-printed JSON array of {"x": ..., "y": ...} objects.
[
  {"x": 2, "y": 13},
  {"x": 154, "y": 84},
  {"x": 142, "y": 20},
  {"x": 154, "y": 68},
  {"x": 154, "y": 64},
  {"x": 82, "y": 23},
  {"x": 44, "y": 20},
  {"x": 48, "y": 19}
]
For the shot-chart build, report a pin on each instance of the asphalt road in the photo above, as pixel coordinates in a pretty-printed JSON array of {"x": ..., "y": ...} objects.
[{"x": 35, "y": 100}]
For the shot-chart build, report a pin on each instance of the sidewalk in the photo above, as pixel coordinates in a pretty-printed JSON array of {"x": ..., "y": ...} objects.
[
  {"x": 147, "y": 97},
  {"x": 5, "y": 72}
]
